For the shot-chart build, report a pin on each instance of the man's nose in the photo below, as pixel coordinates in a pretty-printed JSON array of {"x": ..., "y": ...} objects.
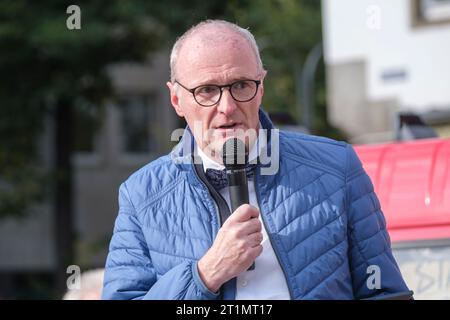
[{"x": 227, "y": 104}]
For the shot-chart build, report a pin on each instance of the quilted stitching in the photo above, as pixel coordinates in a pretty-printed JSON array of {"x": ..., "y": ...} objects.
[{"x": 167, "y": 220}]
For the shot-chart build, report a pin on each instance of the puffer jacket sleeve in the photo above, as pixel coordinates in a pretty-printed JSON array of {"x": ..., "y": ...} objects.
[
  {"x": 129, "y": 273},
  {"x": 370, "y": 253}
]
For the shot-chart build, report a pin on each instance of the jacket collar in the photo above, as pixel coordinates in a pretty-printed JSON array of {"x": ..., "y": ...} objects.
[{"x": 182, "y": 153}]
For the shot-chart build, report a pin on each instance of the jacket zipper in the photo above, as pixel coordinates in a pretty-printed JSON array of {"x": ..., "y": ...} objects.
[
  {"x": 277, "y": 254},
  {"x": 262, "y": 218},
  {"x": 219, "y": 219}
]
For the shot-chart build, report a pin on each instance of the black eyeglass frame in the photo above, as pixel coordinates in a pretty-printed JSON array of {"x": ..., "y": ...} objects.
[{"x": 257, "y": 82}]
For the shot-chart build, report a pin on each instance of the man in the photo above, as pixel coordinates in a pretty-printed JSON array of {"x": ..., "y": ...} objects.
[{"x": 313, "y": 227}]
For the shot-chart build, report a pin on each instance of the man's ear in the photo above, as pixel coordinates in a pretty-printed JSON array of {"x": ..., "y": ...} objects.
[
  {"x": 174, "y": 99},
  {"x": 264, "y": 73}
]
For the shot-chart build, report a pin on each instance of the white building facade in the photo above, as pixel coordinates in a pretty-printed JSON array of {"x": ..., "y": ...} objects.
[{"x": 384, "y": 57}]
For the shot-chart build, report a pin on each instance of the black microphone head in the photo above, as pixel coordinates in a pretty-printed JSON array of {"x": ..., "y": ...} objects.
[{"x": 234, "y": 154}]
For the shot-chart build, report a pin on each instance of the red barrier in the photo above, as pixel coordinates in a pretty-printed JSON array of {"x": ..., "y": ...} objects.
[{"x": 412, "y": 181}]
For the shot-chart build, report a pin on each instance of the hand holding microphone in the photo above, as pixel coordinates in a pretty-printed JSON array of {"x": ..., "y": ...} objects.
[
  {"x": 238, "y": 242},
  {"x": 237, "y": 245},
  {"x": 235, "y": 160}
]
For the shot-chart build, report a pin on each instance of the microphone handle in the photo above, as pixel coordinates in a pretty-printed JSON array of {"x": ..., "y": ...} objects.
[
  {"x": 238, "y": 187},
  {"x": 238, "y": 196}
]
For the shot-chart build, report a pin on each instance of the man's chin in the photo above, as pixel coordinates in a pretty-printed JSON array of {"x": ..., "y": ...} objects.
[
  {"x": 222, "y": 135},
  {"x": 214, "y": 149}
]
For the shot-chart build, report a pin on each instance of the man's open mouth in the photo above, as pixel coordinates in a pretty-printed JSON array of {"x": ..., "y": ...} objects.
[{"x": 228, "y": 126}]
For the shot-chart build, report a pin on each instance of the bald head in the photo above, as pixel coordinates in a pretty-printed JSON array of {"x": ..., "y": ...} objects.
[
  {"x": 217, "y": 53},
  {"x": 210, "y": 34}
]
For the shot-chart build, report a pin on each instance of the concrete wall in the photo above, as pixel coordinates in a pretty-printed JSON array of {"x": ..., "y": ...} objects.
[{"x": 364, "y": 121}]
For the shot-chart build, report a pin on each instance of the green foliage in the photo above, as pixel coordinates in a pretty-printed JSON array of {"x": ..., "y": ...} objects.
[
  {"x": 286, "y": 31},
  {"x": 42, "y": 63}
]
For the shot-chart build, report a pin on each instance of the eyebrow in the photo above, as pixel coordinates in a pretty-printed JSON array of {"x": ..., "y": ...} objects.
[{"x": 210, "y": 82}]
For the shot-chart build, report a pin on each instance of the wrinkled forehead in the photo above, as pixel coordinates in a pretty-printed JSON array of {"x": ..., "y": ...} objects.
[{"x": 217, "y": 52}]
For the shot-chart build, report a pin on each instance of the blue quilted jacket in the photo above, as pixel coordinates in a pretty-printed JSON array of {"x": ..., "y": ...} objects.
[{"x": 320, "y": 211}]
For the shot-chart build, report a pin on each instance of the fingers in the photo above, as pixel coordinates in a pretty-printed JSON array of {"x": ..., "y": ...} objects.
[
  {"x": 251, "y": 226},
  {"x": 237, "y": 244},
  {"x": 243, "y": 221},
  {"x": 254, "y": 239},
  {"x": 243, "y": 229},
  {"x": 244, "y": 213},
  {"x": 255, "y": 252}
]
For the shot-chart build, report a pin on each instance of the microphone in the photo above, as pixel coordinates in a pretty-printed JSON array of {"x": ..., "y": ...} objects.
[{"x": 235, "y": 158}]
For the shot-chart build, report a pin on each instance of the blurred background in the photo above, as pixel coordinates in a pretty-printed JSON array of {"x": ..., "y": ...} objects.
[{"x": 83, "y": 104}]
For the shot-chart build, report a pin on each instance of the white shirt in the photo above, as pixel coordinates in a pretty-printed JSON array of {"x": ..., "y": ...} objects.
[{"x": 267, "y": 280}]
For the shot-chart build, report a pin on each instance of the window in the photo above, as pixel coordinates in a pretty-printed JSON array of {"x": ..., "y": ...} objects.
[
  {"x": 136, "y": 118},
  {"x": 426, "y": 12}
]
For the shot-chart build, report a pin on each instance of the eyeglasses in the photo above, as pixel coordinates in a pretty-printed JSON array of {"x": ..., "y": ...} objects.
[{"x": 210, "y": 94}]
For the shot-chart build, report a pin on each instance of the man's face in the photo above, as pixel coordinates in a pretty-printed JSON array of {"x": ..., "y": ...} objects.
[{"x": 219, "y": 64}]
